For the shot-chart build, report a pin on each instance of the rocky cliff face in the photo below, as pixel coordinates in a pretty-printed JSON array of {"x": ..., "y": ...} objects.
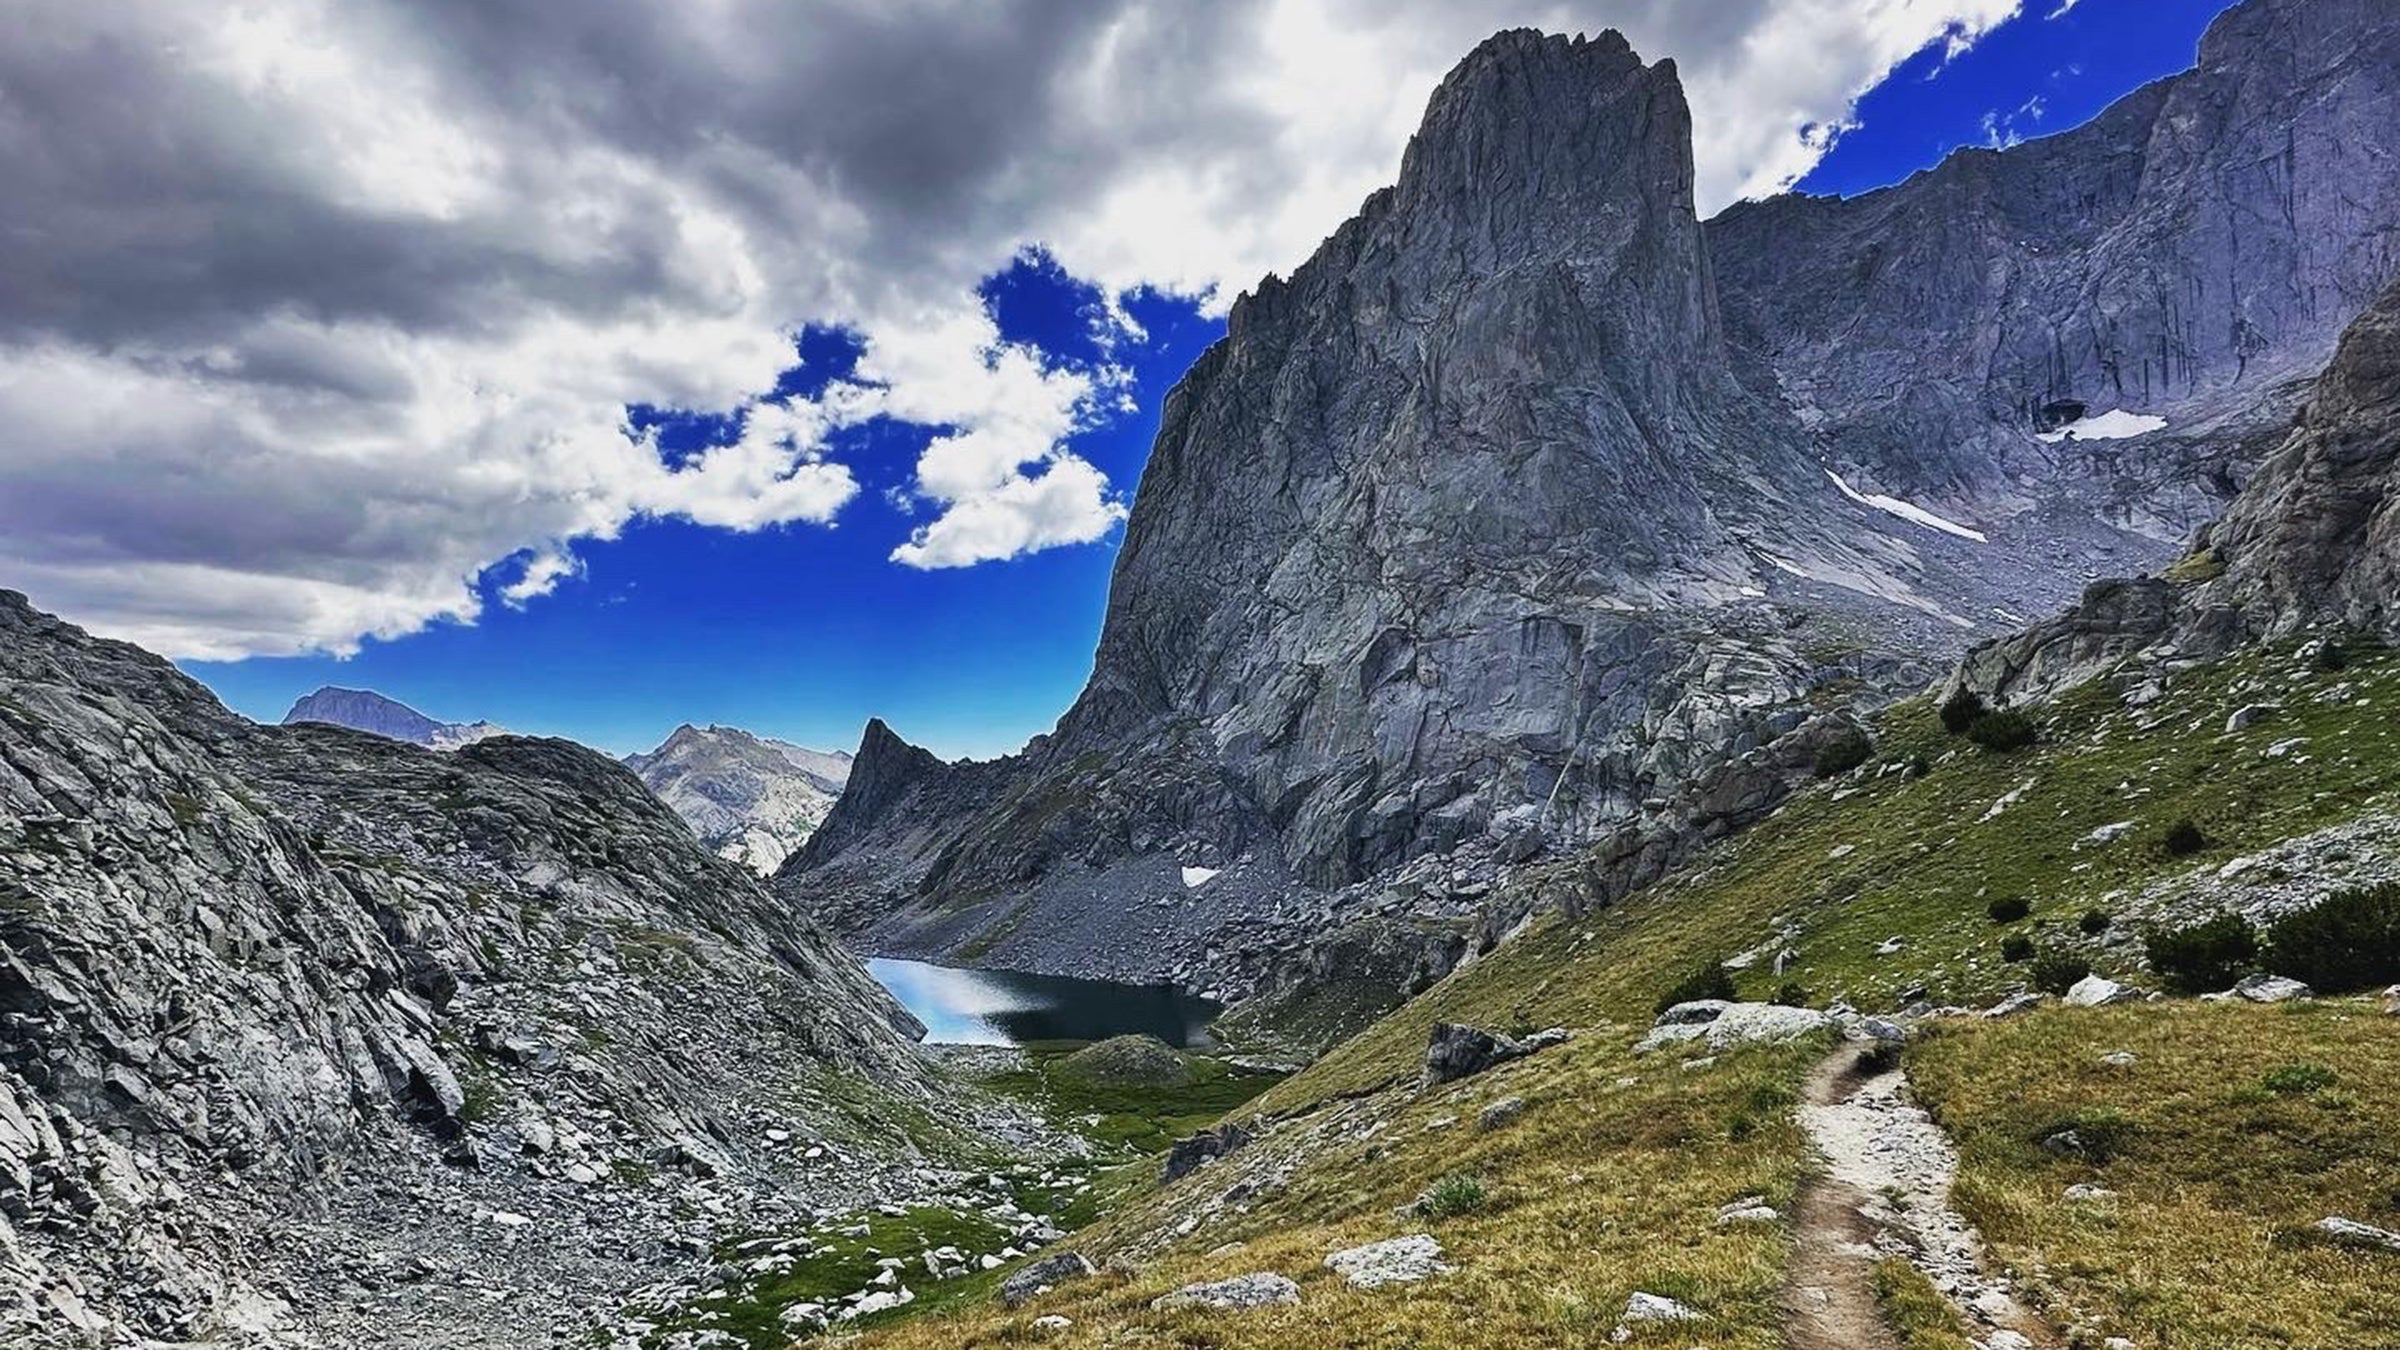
[
  {"x": 366, "y": 710},
  {"x": 2188, "y": 256},
  {"x": 2311, "y": 546},
  {"x": 304, "y": 1024},
  {"x": 1529, "y": 511},
  {"x": 751, "y": 799}
]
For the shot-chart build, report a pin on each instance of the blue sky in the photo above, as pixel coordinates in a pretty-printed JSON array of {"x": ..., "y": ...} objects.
[{"x": 804, "y": 631}]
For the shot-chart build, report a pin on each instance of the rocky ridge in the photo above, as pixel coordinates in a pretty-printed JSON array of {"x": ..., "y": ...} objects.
[{"x": 317, "y": 1036}]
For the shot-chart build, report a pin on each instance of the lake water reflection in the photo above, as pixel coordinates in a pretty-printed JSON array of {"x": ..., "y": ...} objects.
[{"x": 998, "y": 1007}]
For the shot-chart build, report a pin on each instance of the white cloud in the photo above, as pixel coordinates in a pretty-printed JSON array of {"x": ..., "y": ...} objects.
[{"x": 316, "y": 313}]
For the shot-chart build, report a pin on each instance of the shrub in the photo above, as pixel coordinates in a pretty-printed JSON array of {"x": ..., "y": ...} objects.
[
  {"x": 2057, "y": 972},
  {"x": 2017, "y": 947},
  {"x": 1963, "y": 709},
  {"x": 2008, "y": 909},
  {"x": 2208, "y": 955},
  {"x": 1844, "y": 751},
  {"x": 2094, "y": 922},
  {"x": 2348, "y": 941},
  {"x": 2332, "y": 656},
  {"x": 1452, "y": 1196},
  {"x": 2183, "y": 839},
  {"x": 2003, "y": 731},
  {"x": 1706, "y": 980},
  {"x": 1793, "y": 994},
  {"x": 2298, "y": 1080}
]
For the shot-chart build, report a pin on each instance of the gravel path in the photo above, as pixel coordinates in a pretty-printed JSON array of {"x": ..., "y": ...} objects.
[{"x": 1885, "y": 1192}]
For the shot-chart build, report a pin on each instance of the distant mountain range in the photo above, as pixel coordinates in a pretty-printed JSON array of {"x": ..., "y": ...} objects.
[
  {"x": 750, "y": 798},
  {"x": 366, "y": 710}
]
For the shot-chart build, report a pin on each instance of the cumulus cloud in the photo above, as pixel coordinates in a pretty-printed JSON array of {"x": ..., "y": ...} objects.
[{"x": 321, "y": 320}]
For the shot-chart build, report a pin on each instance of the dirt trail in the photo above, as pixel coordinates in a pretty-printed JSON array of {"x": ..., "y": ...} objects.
[{"x": 1886, "y": 1192}]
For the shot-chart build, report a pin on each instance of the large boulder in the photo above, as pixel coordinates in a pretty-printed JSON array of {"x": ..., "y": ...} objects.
[
  {"x": 1402, "y": 1260},
  {"x": 1454, "y": 1052},
  {"x": 1039, "y": 1277},
  {"x": 2272, "y": 989},
  {"x": 2097, "y": 991},
  {"x": 1233, "y": 1295},
  {"x": 1185, "y": 1156},
  {"x": 1733, "y": 1024}
]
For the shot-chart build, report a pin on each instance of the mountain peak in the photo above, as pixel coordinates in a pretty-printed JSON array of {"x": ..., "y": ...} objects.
[
  {"x": 380, "y": 715},
  {"x": 1536, "y": 140}
]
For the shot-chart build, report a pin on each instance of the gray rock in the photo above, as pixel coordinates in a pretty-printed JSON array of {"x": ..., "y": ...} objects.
[
  {"x": 2351, "y": 1233},
  {"x": 1185, "y": 1156},
  {"x": 2310, "y": 542},
  {"x": 2096, "y": 991},
  {"x": 1037, "y": 1277},
  {"x": 2015, "y": 1004},
  {"x": 2250, "y": 715},
  {"x": 1237, "y": 1294},
  {"x": 1646, "y": 1307},
  {"x": 1402, "y": 1260},
  {"x": 1501, "y": 1114},
  {"x": 1695, "y": 1013},
  {"x": 750, "y": 798},
  {"x": 1453, "y": 1052},
  {"x": 2272, "y": 989}
]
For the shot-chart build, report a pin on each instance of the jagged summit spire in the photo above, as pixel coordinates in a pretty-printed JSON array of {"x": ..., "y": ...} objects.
[{"x": 1535, "y": 141}]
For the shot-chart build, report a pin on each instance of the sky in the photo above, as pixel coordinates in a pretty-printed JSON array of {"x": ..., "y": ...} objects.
[{"x": 595, "y": 369}]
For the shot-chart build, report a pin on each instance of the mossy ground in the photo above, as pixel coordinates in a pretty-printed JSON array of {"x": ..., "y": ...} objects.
[
  {"x": 1611, "y": 1180},
  {"x": 838, "y": 1262},
  {"x": 1129, "y": 1116}
]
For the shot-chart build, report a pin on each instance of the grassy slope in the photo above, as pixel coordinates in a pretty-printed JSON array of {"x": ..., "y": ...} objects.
[
  {"x": 1609, "y": 1185},
  {"x": 2218, "y": 1176}
]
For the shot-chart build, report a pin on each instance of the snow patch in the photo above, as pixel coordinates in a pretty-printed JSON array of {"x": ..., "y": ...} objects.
[
  {"x": 2114, "y": 425},
  {"x": 1908, "y": 511},
  {"x": 1199, "y": 876}
]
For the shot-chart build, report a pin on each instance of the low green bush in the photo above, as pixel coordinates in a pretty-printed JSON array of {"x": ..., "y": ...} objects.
[
  {"x": 2094, "y": 922},
  {"x": 1793, "y": 994},
  {"x": 2056, "y": 972},
  {"x": 2346, "y": 942},
  {"x": 1709, "y": 979},
  {"x": 1962, "y": 710},
  {"x": 2203, "y": 957},
  {"x": 2017, "y": 947},
  {"x": 1452, "y": 1196},
  {"x": 2003, "y": 731},
  {"x": 2183, "y": 839},
  {"x": 2298, "y": 1080},
  {"x": 1843, "y": 751},
  {"x": 2008, "y": 909}
]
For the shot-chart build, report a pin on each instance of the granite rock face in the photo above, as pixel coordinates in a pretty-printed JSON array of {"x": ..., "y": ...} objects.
[
  {"x": 297, "y": 1013},
  {"x": 1532, "y": 514},
  {"x": 2313, "y": 544},
  {"x": 2189, "y": 255}
]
